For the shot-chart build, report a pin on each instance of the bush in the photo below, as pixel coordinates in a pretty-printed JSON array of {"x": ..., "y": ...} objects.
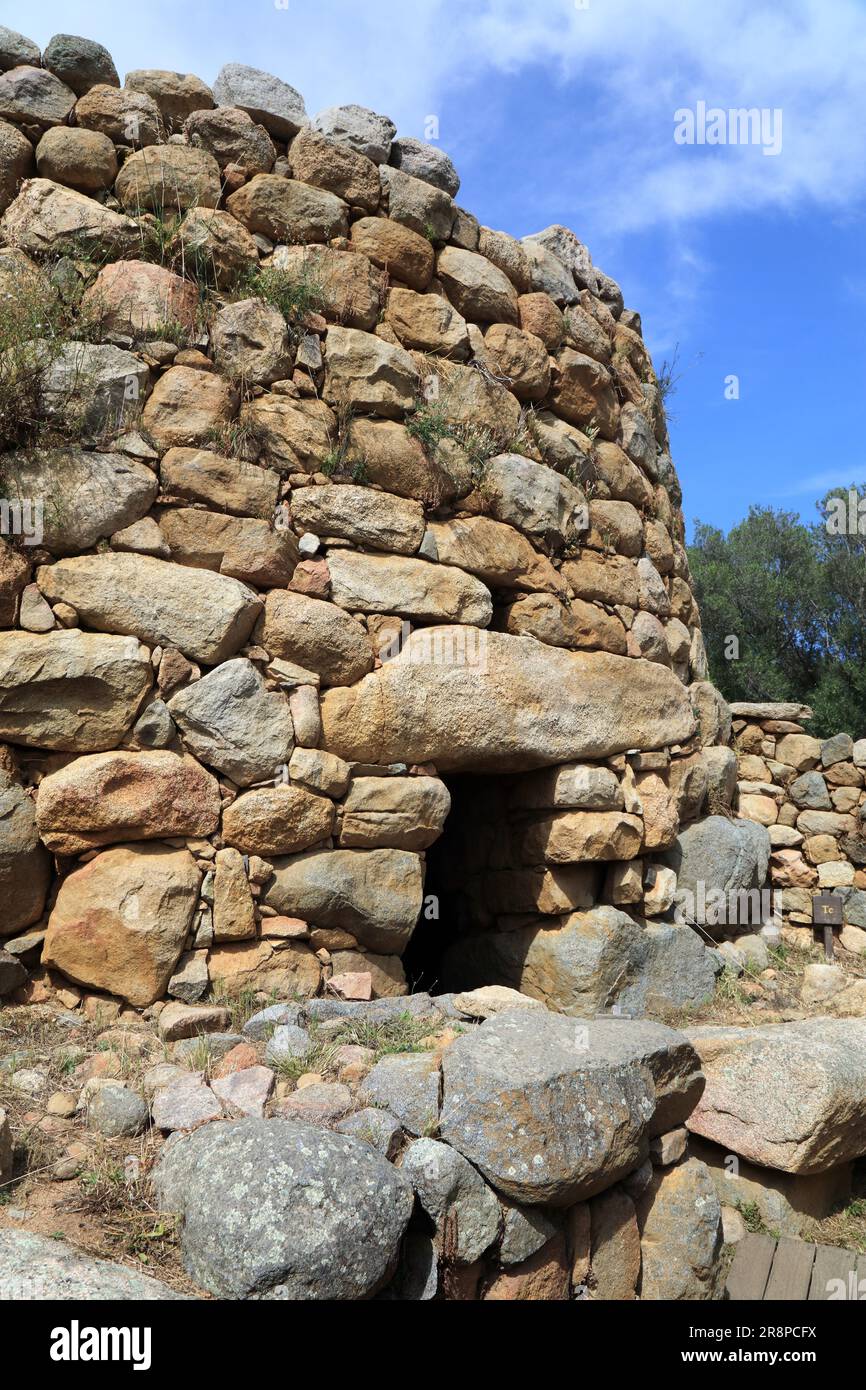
[{"x": 33, "y": 329}]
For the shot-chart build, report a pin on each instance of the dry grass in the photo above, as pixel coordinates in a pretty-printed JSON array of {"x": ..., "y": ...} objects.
[
  {"x": 749, "y": 1000},
  {"x": 845, "y": 1227},
  {"x": 115, "y": 1190},
  {"x": 402, "y": 1034}
]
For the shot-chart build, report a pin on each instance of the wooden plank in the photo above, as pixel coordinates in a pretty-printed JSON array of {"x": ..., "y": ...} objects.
[
  {"x": 791, "y": 1274},
  {"x": 832, "y": 1262},
  {"x": 747, "y": 1277}
]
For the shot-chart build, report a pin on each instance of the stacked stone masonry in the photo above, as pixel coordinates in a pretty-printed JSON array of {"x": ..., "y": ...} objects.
[
  {"x": 810, "y": 793},
  {"x": 300, "y": 557}
]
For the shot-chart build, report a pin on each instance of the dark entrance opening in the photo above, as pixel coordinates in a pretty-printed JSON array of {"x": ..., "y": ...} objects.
[{"x": 474, "y": 839}]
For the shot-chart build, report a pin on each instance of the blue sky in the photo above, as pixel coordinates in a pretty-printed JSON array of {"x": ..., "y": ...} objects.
[{"x": 563, "y": 111}]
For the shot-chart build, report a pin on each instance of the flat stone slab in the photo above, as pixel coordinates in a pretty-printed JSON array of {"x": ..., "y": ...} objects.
[{"x": 785, "y": 1095}]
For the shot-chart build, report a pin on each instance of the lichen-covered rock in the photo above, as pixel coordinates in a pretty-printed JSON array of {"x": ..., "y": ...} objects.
[
  {"x": 587, "y": 962},
  {"x": 551, "y": 1110},
  {"x": 117, "y": 1111},
  {"x": 102, "y": 384},
  {"x": 231, "y": 136},
  {"x": 427, "y": 322},
  {"x": 449, "y": 1188},
  {"x": 233, "y": 908},
  {"x": 16, "y": 50},
  {"x": 681, "y": 1234},
  {"x": 33, "y": 96},
  {"x": 36, "y": 1267},
  {"x": 784, "y": 1095},
  {"x": 313, "y": 1215},
  {"x": 80, "y": 63},
  {"x": 407, "y": 1084},
  {"x": 576, "y": 625}
]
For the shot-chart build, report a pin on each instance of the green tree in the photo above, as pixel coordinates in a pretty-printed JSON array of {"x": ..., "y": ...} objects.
[{"x": 783, "y": 606}]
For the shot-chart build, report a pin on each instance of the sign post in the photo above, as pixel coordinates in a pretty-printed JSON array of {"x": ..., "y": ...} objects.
[{"x": 827, "y": 914}]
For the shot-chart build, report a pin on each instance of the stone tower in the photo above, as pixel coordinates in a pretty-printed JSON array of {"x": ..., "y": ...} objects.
[{"x": 342, "y": 549}]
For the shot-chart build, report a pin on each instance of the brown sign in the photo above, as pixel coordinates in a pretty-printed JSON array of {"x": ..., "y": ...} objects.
[{"x": 827, "y": 910}]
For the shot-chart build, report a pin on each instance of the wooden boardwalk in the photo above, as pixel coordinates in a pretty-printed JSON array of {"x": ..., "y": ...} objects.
[{"x": 793, "y": 1270}]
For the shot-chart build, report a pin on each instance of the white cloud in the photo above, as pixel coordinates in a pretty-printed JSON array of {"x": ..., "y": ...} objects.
[
  {"x": 820, "y": 483},
  {"x": 631, "y": 65}
]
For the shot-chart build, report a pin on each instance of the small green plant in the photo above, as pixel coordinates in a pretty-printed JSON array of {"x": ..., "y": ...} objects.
[
  {"x": 403, "y": 1033},
  {"x": 241, "y": 438},
  {"x": 158, "y": 232},
  {"x": 754, "y": 1221},
  {"x": 295, "y": 295},
  {"x": 428, "y": 423},
  {"x": 339, "y": 461}
]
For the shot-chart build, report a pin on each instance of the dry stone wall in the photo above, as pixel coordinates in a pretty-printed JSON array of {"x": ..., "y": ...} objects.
[
  {"x": 318, "y": 495},
  {"x": 810, "y": 793}
]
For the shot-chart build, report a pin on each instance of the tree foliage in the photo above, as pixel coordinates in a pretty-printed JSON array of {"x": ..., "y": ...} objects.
[{"x": 792, "y": 596}]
